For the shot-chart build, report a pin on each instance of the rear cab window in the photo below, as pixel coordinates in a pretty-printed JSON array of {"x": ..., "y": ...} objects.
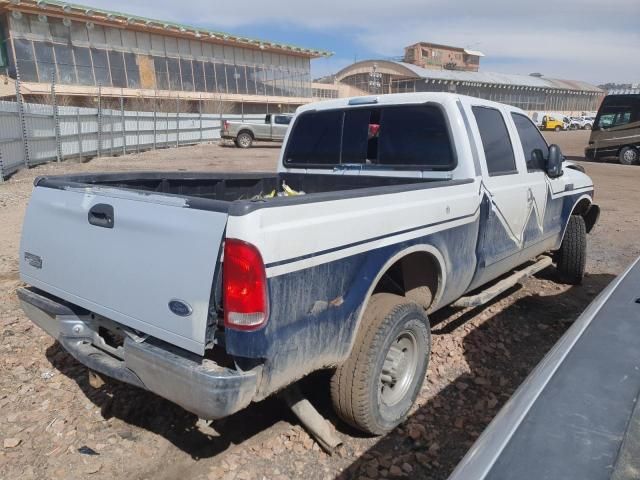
[
  {"x": 399, "y": 136},
  {"x": 496, "y": 142}
]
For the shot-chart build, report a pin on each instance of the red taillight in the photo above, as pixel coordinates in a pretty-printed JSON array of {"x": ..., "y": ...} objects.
[
  {"x": 244, "y": 285},
  {"x": 225, "y": 125}
]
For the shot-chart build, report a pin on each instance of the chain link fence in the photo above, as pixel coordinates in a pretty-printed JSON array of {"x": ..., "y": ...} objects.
[{"x": 45, "y": 128}]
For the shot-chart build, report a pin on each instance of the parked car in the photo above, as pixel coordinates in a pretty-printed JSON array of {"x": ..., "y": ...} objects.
[
  {"x": 588, "y": 122},
  {"x": 616, "y": 131},
  {"x": 580, "y": 123},
  {"x": 273, "y": 129},
  {"x": 555, "y": 122},
  {"x": 215, "y": 290},
  {"x": 576, "y": 417}
]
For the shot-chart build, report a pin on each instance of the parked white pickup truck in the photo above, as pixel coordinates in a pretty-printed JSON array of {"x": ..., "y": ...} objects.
[
  {"x": 273, "y": 129},
  {"x": 213, "y": 291}
]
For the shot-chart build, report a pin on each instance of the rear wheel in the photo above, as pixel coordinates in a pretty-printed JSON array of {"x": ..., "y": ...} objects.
[
  {"x": 571, "y": 258},
  {"x": 628, "y": 156},
  {"x": 378, "y": 384},
  {"x": 244, "y": 140},
  {"x": 587, "y": 126}
]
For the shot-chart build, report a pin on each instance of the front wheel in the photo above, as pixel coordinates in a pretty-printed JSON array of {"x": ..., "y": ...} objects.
[
  {"x": 571, "y": 258},
  {"x": 628, "y": 156},
  {"x": 558, "y": 128},
  {"x": 378, "y": 384}
]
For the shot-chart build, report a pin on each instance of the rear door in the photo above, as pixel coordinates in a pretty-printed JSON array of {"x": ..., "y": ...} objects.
[
  {"x": 505, "y": 189},
  {"x": 125, "y": 255}
]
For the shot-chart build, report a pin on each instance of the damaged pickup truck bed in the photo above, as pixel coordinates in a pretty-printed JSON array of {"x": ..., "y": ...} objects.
[{"x": 216, "y": 290}]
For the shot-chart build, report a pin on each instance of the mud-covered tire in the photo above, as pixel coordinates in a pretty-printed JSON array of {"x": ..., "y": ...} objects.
[
  {"x": 571, "y": 258},
  {"x": 394, "y": 337},
  {"x": 244, "y": 140}
]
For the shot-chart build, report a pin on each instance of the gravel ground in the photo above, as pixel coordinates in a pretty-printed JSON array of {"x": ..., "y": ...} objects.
[{"x": 53, "y": 424}]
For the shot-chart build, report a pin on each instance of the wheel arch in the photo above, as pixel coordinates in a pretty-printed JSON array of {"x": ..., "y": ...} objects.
[
  {"x": 422, "y": 253},
  {"x": 584, "y": 207},
  {"x": 246, "y": 130}
]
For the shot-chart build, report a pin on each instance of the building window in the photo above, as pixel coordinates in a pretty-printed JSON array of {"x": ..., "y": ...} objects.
[
  {"x": 187, "y": 75},
  {"x": 210, "y": 77},
  {"x": 84, "y": 69},
  {"x": 26, "y": 60},
  {"x": 162, "y": 77},
  {"x": 133, "y": 71},
  {"x": 101, "y": 67},
  {"x": 64, "y": 60},
  {"x": 173, "y": 66},
  {"x": 221, "y": 78},
  {"x": 198, "y": 76},
  {"x": 118, "y": 75},
  {"x": 44, "y": 60}
]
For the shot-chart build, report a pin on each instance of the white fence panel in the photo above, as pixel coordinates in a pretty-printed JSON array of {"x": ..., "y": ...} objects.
[{"x": 90, "y": 132}]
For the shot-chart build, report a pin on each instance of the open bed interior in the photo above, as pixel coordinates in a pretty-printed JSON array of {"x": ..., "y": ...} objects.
[{"x": 241, "y": 186}]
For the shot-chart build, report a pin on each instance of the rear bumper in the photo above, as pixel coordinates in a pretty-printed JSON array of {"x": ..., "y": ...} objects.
[{"x": 198, "y": 385}]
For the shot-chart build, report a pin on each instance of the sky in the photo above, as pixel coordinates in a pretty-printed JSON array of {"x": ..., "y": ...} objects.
[{"x": 597, "y": 41}]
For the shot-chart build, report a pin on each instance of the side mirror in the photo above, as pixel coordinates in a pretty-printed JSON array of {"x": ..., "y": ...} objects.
[{"x": 554, "y": 162}]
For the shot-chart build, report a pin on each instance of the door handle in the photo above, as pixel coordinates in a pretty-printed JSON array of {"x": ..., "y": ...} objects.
[{"x": 101, "y": 215}]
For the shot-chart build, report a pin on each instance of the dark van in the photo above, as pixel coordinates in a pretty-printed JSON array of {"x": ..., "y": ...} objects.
[{"x": 616, "y": 130}]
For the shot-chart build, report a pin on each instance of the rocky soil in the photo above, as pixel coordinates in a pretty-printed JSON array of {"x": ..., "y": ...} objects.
[{"x": 54, "y": 424}]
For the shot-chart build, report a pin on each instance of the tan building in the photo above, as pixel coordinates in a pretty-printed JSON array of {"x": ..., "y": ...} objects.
[
  {"x": 85, "y": 49},
  {"x": 532, "y": 93},
  {"x": 442, "y": 57}
]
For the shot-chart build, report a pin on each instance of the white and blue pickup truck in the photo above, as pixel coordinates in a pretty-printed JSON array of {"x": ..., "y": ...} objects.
[{"x": 215, "y": 290}]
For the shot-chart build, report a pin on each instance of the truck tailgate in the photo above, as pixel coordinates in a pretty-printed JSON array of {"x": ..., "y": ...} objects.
[{"x": 155, "y": 250}]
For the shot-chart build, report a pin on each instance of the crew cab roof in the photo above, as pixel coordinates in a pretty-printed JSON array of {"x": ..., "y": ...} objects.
[{"x": 402, "y": 98}]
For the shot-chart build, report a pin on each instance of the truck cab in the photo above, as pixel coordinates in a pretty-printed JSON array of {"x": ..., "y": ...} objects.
[{"x": 554, "y": 122}]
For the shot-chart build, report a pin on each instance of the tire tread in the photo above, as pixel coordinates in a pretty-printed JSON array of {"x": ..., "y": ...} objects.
[
  {"x": 350, "y": 385},
  {"x": 572, "y": 256}
]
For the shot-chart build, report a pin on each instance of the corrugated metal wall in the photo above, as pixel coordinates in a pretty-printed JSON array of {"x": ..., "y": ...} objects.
[{"x": 90, "y": 132}]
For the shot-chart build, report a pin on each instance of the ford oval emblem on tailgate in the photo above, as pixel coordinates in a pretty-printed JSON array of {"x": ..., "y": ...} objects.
[{"x": 180, "y": 308}]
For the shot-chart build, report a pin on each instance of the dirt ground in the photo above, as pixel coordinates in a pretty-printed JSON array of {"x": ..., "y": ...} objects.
[{"x": 53, "y": 424}]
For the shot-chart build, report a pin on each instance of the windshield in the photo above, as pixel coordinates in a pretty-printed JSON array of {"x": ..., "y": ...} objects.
[{"x": 618, "y": 111}]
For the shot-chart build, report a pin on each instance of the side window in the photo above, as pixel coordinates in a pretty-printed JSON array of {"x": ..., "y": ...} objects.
[
  {"x": 614, "y": 119},
  {"x": 282, "y": 120},
  {"x": 531, "y": 139},
  {"x": 495, "y": 141}
]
